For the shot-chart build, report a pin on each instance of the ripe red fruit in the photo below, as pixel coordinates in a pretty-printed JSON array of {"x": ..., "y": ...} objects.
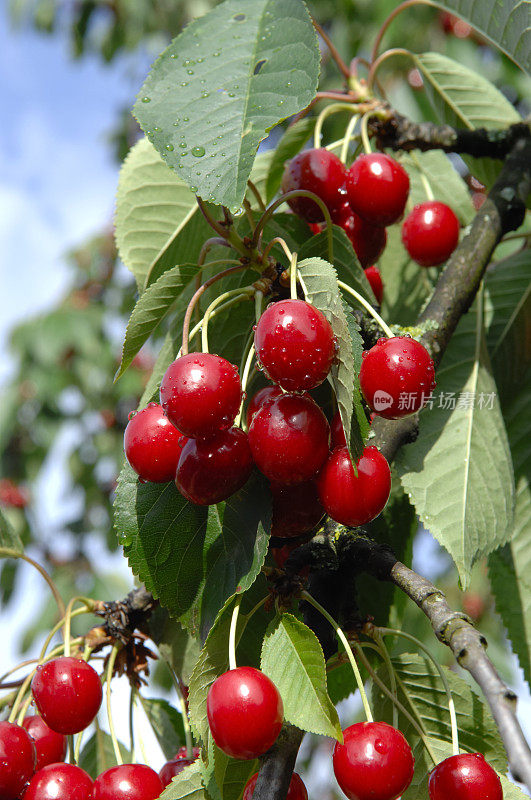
[
  {"x": 296, "y": 791},
  {"x": 288, "y": 438},
  {"x": 201, "y": 394},
  {"x": 245, "y": 712},
  {"x": 295, "y": 344},
  {"x": 261, "y": 397},
  {"x": 350, "y": 499},
  {"x": 464, "y": 777},
  {"x": 60, "y": 782},
  {"x": 49, "y": 745},
  {"x": 430, "y": 233},
  {"x": 127, "y": 782},
  {"x": 176, "y": 765},
  {"x": 367, "y": 240},
  {"x": 153, "y": 445},
  {"x": 318, "y": 171},
  {"x": 296, "y": 509},
  {"x": 396, "y": 376},
  {"x": 17, "y": 759},
  {"x": 67, "y": 692},
  {"x": 375, "y": 279},
  {"x": 375, "y": 762},
  {"x": 377, "y": 188},
  {"x": 337, "y": 432},
  {"x": 210, "y": 470}
]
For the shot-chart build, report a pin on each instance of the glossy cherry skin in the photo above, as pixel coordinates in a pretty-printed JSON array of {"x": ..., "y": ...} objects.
[
  {"x": 128, "y": 782},
  {"x": 374, "y": 277},
  {"x": 430, "y": 233},
  {"x": 17, "y": 759},
  {"x": 367, "y": 240},
  {"x": 259, "y": 399},
  {"x": 295, "y": 344},
  {"x": 319, "y": 171},
  {"x": 60, "y": 782},
  {"x": 176, "y": 765},
  {"x": 296, "y": 791},
  {"x": 201, "y": 394},
  {"x": 374, "y": 762},
  {"x": 464, "y": 777},
  {"x": 296, "y": 509},
  {"x": 377, "y": 188},
  {"x": 350, "y": 499},
  {"x": 396, "y": 377},
  {"x": 49, "y": 745},
  {"x": 153, "y": 445},
  {"x": 337, "y": 432},
  {"x": 288, "y": 438},
  {"x": 67, "y": 692},
  {"x": 245, "y": 712},
  {"x": 210, "y": 470}
]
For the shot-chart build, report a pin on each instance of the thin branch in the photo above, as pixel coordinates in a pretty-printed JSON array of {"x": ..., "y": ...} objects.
[{"x": 334, "y": 52}]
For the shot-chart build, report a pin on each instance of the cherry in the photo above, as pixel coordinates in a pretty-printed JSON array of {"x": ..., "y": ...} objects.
[
  {"x": 374, "y": 762},
  {"x": 50, "y": 746},
  {"x": 17, "y": 759},
  {"x": 464, "y": 777},
  {"x": 374, "y": 277},
  {"x": 288, "y": 438},
  {"x": 430, "y": 233},
  {"x": 318, "y": 171},
  {"x": 67, "y": 692},
  {"x": 201, "y": 394},
  {"x": 261, "y": 397},
  {"x": 337, "y": 432},
  {"x": 396, "y": 376},
  {"x": 176, "y": 764},
  {"x": 153, "y": 445},
  {"x": 210, "y": 470},
  {"x": 295, "y": 344},
  {"x": 60, "y": 782},
  {"x": 377, "y": 188},
  {"x": 367, "y": 240},
  {"x": 350, "y": 499},
  {"x": 296, "y": 509},
  {"x": 127, "y": 782},
  {"x": 296, "y": 791},
  {"x": 245, "y": 712}
]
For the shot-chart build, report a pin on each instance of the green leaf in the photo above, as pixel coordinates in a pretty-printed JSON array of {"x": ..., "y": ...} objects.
[
  {"x": 167, "y": 724},
  {"x": 293, "y": 658},
  {"x": 458, "y": 473},
  {"x": 97, "y": 754},
  {"x": 446, "y": 183},
  {"x": 8, "y": 536},
  {"x": 175, "y": 644},
  {"x": 225, "y": 777},
  {"x": 406, "y": 285},
  {"x": 292, "y": 141},
  {"x": 222, "y": 84},
  {"x": 166, "y": 355},
  {"x": 187, "y": 785},
  {"x": 259, "y": 175}
]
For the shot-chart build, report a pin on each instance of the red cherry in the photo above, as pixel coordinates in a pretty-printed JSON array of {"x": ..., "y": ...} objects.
[
  {"x": 353, "y": 500},
  {"x": 210, "y": 470},
  {"x": 295, "y": 344},
  {"x": 288, "y": 438},
  {"x": 377, "y": 188},
  {"x": 182, "y": 754},
  {"x": 367, "y": 240},
  {"x": 60, "y": 782},
  {"x": 337, "y": 432},
  {"x": 201, "y": 394},
  {"x": 374, "y": 277},
  {"x": 176, "y": 765},
  {"x": 17, "y": 759},
  {"x": 153, "y": 445},
  {"x": 374, "y": 762},
  {"x": 127, "y": 782},
  {"x": 245, "y": 712},
  {"x": 296, "y": 509},
  {"x": 464, "y": 777},
  {"x": 396, "y": 377},
  {"x": 296, "y": 791},
  {"x": 430, "y": 233},
  {"x": 50, "y": 746},
  {"x": 261, "y": 397},
  {"x": 318, "y": 171},
  {"x": 67, "y": 692}
]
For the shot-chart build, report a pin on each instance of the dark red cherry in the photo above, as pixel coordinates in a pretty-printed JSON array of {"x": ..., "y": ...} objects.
[
  {"x": 464, "y": 777},
  {"x": 210, "y": 470},
  {"x": 374, "y": 762},
  {"x": 350, "y": 499},
  {"x": 377, "y": 188},
  {"x": 50, "y": 746},
  {"x": 153, "y": 445},
  {"x": 60, "y": 782},
  {"x": 128, "y": 782},
  {"x": 288, "y": 438},
  {"x": 337, "y": 432},
  {"x": 176, "y": 765},
  {"x": 261, "y": 397},
  {"x": 430, "y": 233},
  {"x": 374, "y": 277},
  {"x": 396, "y": 376},
  {"x": 296, "y": 791},
  {"x": 245, "y": 712},
  {"x": 201, "y": 394},
  {"x": 295, "y": 344},
  {"x": 17, "y": 760},
  {"x": 367, "y": 240},
  {"x": 318, "y": 171},
  {"x": 67, "y": 692},
  {"x": 296, "y": 509}
]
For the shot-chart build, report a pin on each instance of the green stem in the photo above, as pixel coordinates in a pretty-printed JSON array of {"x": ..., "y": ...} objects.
[
  {"x": 132, "y": 723},
  {"x": 347, "y": 138},
  {"x": 333, "y": 108},
  {"x": 59, "y": 626},
  {"x": 375, "y": 66},
  {"x": 232, "y": 633},
  {"x": 24, "y": 709},
  {"x": 382, "y": 649},
  {"x": 277, "y": 240},
  {"x": 89, "y": 605},
  {"x": 423, "y": 177},
  {"x": 293, "y": 276},
  {"x": 242, "y": 292},
  {"x": 257, "y": 194},
  {"x": 383, "y": 325},
  {"x": 365, "y": 132},
  {"x": 7, "y": 552},
  {"x": 110, "y": 669}
]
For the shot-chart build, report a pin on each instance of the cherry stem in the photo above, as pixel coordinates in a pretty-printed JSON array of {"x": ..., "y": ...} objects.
[
  {"x": 218, "y": 310},
  {"x": 365, "y": 133},
  {"x": 200, "y": 291},
  {"x": 383, "y": 325},
  {"x": 375, "y": 66},
  {"x": 78, "y": 747},
  {"x": 245, "y": 379},
  {"x": 184, "y": 714},
  {"x": 254, "y": 190},
  {"x": 391, "y": 17},
  {"x": 7, "y": 552},
  {"x": 132, "y": 723},
  {"x": 347, "y": 138},
  {"x": 334, "y": 108},
  {"x": 248, "y": 213},
  {"x": 232, "y": 633},
  {"x": 68, "y": 617},
  {"x": 24, "y": 709},
  {"x": 293, "y": 276},
  {"x": 277, "y": 240},
  {"x": 60, "y": 625},
  {"x": 383, "y": 651},
  {"x": 344, "y": 70},
  {"x": 423, "y": 177},
  {"x": 110, "y": 670},
  {"x": 240, "y": 293},
  {"x": 348, "y": 649}
]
